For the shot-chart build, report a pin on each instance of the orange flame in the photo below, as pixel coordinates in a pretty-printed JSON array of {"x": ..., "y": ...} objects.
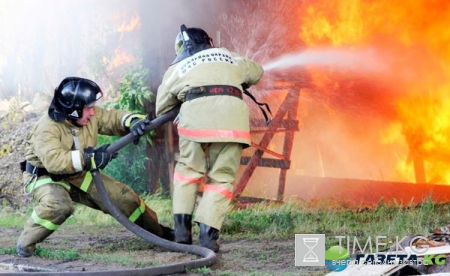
[
  {"x": 411, "y": 38},
  {"x": 133, "y": 24},
  {"x": 120, "y": 57}
]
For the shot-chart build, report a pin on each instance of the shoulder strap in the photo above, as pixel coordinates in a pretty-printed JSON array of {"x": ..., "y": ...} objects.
[{"x": 246, "y": 92}]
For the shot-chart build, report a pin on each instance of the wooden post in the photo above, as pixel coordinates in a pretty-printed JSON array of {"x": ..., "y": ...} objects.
[
  {"x": 290, "y": 104},
  {"x": 288, "y": 143}
]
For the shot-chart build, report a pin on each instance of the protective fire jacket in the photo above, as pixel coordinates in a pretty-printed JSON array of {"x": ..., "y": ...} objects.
[
  {"x": 221, "y": 118},
  {"x": 58, "y": 146}
]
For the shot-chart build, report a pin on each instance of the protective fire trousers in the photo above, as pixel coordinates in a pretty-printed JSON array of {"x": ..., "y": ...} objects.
[
  {"x": 54, "y": 205},
  {"x": 220, "y": 162}
]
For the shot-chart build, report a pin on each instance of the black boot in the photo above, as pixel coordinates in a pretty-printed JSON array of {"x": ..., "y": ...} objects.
[
  {"x": 208, "y": 237},
  {"x": 25, "y": 252},
  {"x": 168, "y": 233},
  {"x": 183, "y": 228}
]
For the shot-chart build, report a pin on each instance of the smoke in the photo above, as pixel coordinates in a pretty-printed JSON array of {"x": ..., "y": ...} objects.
[{"x": 44, "y": 41}]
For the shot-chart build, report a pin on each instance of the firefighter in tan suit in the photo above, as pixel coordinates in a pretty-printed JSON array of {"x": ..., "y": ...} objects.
[
  {"x": 60, "y": 155},
  {"x": 213, "y": 125}
]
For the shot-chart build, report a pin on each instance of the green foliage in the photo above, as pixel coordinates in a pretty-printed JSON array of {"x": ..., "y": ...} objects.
[
  {"x": 130, "y": 167},
  {"x": 134, "y": 92}
]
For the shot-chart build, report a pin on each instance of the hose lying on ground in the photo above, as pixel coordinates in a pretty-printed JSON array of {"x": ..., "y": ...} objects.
[{"x": 208, "y": 256}]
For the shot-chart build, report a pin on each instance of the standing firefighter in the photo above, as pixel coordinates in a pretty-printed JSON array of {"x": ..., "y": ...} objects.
[
  {"x": 213, "y": 126},
  {"x": 60, "y": 155}
]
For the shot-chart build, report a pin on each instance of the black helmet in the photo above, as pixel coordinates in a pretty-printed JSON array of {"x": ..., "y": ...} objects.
[
  {"x": 71, "y": 96},
  {"x": 190, "y": 41}
]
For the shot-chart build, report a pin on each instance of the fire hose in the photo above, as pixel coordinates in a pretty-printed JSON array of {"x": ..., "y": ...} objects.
[{"x": 208, "y": 256}]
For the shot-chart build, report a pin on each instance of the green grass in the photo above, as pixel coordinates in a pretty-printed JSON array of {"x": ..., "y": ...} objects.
[
  {"x": 283, "y": 220},
  {"x": 202, "y": 270},
  {"x": 278, "y": 221},
  {"x": 262, "y": 221}
]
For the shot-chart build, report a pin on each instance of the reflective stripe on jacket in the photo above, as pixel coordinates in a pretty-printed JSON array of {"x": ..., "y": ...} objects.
[{"x": 221, "y": 118}]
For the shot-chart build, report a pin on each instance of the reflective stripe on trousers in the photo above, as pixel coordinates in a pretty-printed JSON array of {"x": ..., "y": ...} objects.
[
  {"x": 43, "y": 222},
  {"x": 138, "y": 212},
  {"x": 34, "y": 184}
]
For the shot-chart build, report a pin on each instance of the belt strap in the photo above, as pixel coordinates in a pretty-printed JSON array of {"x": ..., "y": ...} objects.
[
  {"x": 217, "y": 90},
  {"x": 213, "y": 90},
  {"x": 37, "y": 172},
  {"x": 246, "y": 92}
]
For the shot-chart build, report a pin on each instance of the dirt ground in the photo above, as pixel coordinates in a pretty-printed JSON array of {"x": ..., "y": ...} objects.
[{"x": 236, "y": 257}]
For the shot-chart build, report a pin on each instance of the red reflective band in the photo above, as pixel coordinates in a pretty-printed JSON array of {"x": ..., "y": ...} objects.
[
  {"x": 219, "y": 189},
  {"x": 214, "y": 133},
  {"x": 184, "y": 179}
]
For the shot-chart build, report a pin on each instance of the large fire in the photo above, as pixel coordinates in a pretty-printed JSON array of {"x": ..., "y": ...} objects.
[
  {"x": 411, "y": 39},
  {"x": 121, "y": 56}
]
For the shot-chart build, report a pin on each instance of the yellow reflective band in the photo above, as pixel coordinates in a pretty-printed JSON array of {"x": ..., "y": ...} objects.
[
  {"x": 93, "y": 165},
  {"x": 127, "y": 122},
  {"x": 43, "y": 222},
  {"x": 140, "y": 210},
  {"x": 130, "y": 118},
  {"x": 86, "y": 182},
  {"x": 43, "y": 181}
]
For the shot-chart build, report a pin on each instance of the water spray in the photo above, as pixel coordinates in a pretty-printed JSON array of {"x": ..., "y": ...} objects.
[{"x": 342, "y": 58}]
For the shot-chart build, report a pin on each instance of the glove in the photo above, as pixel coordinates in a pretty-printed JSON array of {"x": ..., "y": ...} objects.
[
  {"x": 138, "y": 126},
  {"x": 98, "y": 158},
  {"x": 136, "y": 123}
]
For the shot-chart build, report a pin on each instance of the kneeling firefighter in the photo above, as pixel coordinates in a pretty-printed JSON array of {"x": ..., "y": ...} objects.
[
  {"x": 60, "y": 153},
  {"x": 213, "y": 126}
]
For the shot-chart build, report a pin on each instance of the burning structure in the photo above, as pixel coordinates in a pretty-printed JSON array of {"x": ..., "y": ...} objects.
[
  {"x": 373, "y": 112},
  {"x": 360, "y": 88}
]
